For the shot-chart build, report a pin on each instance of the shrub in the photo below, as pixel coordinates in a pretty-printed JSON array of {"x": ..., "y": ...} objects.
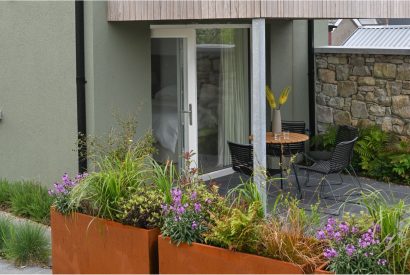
[
  {"x": 238, "y": 230},
  {"x": 5, "y": 193},
  {"x": 193, "y": 207},
  {"x": 371, "y": 141},
  {"x": 143, "y": 209},
  {"x": 122, "y": 166},
  {"x": 353, "y": 250},
  {"x": 378, "y": 154},
  {"x": 27, "y": 244},
  {"x": 288, "y": 234},
  {"x": 31, "y": 200},
  {"x": 390, "y": 218},
  {"x": 325, "y": 141}
]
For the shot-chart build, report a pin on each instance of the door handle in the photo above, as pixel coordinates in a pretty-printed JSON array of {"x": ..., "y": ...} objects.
[{"x": 189, "y": 112}]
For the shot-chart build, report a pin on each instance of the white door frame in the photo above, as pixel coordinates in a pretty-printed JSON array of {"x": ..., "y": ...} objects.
[
  {"x": 188, "y": 31},
  {"x": 190, "y": 94}
]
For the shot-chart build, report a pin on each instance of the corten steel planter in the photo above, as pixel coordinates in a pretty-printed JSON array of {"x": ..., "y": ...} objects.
[
  {"x": 199, "y": 258},
  {"x": 85, "y": 244},
  {"x": 322, "y": 269}
]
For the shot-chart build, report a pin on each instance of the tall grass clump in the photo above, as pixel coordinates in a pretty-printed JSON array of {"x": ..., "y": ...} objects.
[
  {"x": 5, "y": 193},
  {"x": 31, "y": 200},
  {"x": 390, "y": 215},
  {"x": 27, "y": 244},
  {"x": 5, "y": 229},
  {"x": 121, "y": 164}
]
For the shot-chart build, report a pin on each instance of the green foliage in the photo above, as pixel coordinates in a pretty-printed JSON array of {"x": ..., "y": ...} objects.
[
  {"x": 325, "y": 141},
  {"x": 185, "y": 219},
  {"x": 122, "y": 166},
  {"x": 5, "y": 229},
  {"x": 116, "y": 145},
  {"x": 246, "y": 194},
  {"x": 193, "y": 208},
  {"x": 164, "y": 177},
  {"x": 143, "y": 209},
  {"x": 27, "y": 244},
  {"x": 239, "y": 230},
  {"x": 378, "y": 154},
  {"x": 101, "y": 192},
  {"x": 371, "y": 141},
  {"x": 31, "y": 200},
  {"x": 5, "y": 192},
  {"x": 389, "y": 215}
]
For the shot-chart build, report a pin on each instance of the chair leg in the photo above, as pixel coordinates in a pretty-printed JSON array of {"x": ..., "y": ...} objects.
[
  {"x": 324, "y": 179},
  {"x": 356, "y": 177}
]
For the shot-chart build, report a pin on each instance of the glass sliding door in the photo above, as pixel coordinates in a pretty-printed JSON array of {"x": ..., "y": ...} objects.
[
  {"x": 166, "y": 93},
  {"x": 222, "y": 94}
]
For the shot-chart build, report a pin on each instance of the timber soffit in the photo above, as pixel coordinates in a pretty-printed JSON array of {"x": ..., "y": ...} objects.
[{"x": 149, "y": 10}]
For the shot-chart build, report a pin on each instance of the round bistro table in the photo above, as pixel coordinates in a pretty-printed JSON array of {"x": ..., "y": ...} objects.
[{"x": 281, "y": 140}]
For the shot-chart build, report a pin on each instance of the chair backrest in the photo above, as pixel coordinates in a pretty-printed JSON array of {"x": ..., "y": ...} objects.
[
  {"x": 341, "y": 156},
  {"x": 241, "y": 157},
  {"x": 295, "y": 127},
  {"x": 346, "y": 133}
]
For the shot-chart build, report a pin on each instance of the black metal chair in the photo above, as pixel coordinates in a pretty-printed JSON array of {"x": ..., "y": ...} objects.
[
  {"x": 242, "y": 160},
  {"x": 344, "y": 133},
  {"x": 340, "y": 160}
]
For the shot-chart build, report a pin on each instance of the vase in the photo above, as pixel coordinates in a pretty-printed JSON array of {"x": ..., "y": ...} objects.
[{"x": 276, "y": 122}]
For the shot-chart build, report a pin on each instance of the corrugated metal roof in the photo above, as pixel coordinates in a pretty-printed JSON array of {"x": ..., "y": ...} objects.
[{"x": 387, "y": 37}]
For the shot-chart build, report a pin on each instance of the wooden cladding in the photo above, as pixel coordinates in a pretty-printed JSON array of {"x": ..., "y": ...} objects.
[{"x": 146, "y": 10}]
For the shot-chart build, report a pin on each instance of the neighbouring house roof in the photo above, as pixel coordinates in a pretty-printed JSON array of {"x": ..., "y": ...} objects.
[{"x": 387, "y": 37}]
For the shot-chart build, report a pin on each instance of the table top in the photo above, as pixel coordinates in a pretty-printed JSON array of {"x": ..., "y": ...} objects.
[{"x": 293, "y": 138}]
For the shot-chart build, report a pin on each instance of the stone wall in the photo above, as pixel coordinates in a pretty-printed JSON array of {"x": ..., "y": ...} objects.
[{"x": 363, "y": 89}]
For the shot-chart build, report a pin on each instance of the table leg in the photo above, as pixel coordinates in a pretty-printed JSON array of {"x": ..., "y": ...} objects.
[{"x": 281, "y": 165}]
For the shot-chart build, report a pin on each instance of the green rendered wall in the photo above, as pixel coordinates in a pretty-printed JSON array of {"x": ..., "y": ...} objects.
[
  {"x": 37, "y": 90},
  {"x": 118, "y": 70}
]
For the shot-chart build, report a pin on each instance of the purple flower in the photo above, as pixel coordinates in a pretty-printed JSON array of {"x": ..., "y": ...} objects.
[
  {"x": 63, "y": 187},
  {"x": 321, "y": 235},
  {"x": 180, "y": 210},
  {"x": 208, "y": 201},
  {"x": 382, "y": 262},
  {"x": 194, "y": 225},
  {"x": 350, "y": 249},
  {"x": 330, "y": 253},
  {"x": 337, "y": 236},
  {"x": 331, "y": 221},
  {"x": 197, "y": 207},
  {"x": 344, "y": 228},
  {"x": 193, "y": 195},
  {"x": 355, "y": 230}
]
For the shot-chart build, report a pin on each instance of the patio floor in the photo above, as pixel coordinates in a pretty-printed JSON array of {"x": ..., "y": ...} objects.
[{"x": 347, "y": 193}]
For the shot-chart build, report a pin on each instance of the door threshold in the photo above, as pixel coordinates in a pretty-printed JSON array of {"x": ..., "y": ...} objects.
[{"x": 217, "y": 174}]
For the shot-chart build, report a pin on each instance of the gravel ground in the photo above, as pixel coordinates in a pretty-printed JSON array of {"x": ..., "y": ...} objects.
[{"x": 8, "y": 268}]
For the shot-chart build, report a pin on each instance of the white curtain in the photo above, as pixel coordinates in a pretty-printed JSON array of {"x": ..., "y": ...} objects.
[{"x": 234, "y": 97}]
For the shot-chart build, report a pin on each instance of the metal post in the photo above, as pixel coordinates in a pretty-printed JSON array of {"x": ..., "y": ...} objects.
[{"x": 258, "y": 107}]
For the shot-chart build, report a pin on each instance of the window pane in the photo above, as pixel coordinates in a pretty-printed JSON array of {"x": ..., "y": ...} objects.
[{"x": 223, "y": 94}]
